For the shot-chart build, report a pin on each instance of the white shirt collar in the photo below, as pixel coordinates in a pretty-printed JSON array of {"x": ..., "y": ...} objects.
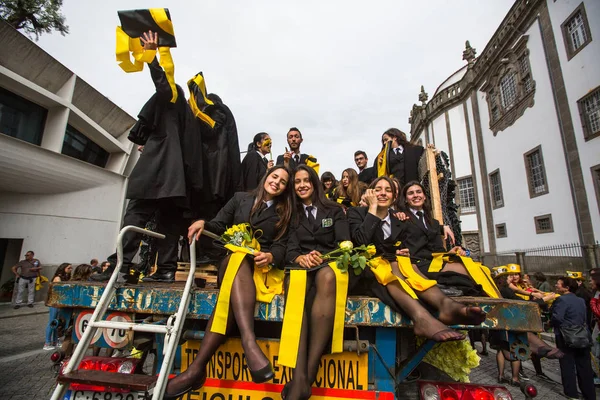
[
  {"x": 412, "y": 210},
  {"x": 269, "y": 203},
  {"x": 261, "y": 154}
]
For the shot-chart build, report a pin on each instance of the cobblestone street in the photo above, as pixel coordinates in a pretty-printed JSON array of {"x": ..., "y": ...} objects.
[{"x": 26, "y": 371}]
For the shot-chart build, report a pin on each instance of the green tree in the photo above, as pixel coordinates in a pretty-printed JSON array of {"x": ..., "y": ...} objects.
[{"x": 34, "y": 17}]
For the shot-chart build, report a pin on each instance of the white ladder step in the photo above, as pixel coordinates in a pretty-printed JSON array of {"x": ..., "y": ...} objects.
[{"x": 130, "y": 326}]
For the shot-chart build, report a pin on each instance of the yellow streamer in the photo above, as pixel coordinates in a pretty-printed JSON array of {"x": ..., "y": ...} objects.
[
  {"x": 341, "y": 297},
  {"x": 292, "y": 319},
  {"x": 159, "y": 15},
  {"x": 382, "y": 269},
  {"x": 126, "y": 45},
  {"x": 382, "y": 160},
  {"x": 219, "y": 324},
  {"x": 413, "y": 279},
  {"x": 481, "y": 275},
  {"x": 437, "y": 263},
  {"x": 268, "y": 283},
  {"x": 313, "y": 164}
]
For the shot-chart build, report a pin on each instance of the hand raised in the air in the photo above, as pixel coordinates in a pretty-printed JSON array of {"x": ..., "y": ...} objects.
[{"x": 149, "y": 40}]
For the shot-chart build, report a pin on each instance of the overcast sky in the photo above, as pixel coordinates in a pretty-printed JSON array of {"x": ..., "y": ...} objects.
[{"x": 341, "y": 71}]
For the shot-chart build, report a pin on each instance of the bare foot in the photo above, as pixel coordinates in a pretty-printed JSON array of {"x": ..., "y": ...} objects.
[
  {"x": 454, "y": 313},
  {"x": 431, "y": 328}
]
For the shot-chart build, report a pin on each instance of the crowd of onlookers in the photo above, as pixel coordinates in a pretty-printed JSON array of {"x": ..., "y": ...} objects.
[{"x": 571, "y": 311}]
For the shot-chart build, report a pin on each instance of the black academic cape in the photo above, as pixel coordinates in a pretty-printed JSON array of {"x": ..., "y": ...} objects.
[
  {"x": 293, "y": 164},
  {"x": 253, "y": 168},
  {"x": 331, "y": 228},
  {"x": 164, "y": 166},
  {"x": 237, "y": 211},
  {"x": 221, "y": 153},
  {"x": 368, "y": 175},
  {"x": 365, "y": 229},
  {"x": 421, "y": 241},
  {"x": 412, "y": 156}
]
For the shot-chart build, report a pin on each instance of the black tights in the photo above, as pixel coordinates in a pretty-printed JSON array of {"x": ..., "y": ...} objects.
[
  {"x": 241, "y": 312},
  {"x": 317, "y": 329}
]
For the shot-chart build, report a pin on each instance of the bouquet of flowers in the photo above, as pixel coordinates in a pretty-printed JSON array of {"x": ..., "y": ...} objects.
[
  {"x": 241, "y": 235},
  {"x": 346, "y": 256},
  {"x": 444, "y": 356}
]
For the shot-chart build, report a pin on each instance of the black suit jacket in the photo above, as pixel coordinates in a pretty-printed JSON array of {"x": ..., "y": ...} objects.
[
  {"x": 254, "y": 168},
  {"x": 365, "y": 229},
  {"x": 304, "y": 238},
  {"x": 412, "y": 155},
  {"x": 368, "y": 175},
  {"x": 237, "y": 211},
  {"x": 421, "y": 241},
  {"x": 293, "y": 164}
]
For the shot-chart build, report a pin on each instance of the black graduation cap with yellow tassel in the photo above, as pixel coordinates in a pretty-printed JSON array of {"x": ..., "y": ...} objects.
[{"x": 133, "y": 24}]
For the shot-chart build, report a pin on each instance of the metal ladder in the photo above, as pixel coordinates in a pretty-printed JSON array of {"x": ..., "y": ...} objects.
[{"x": 172, "y": 329}]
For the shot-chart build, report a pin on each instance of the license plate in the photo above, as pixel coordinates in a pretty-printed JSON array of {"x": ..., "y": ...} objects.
[{"x": 87, "y": 395}]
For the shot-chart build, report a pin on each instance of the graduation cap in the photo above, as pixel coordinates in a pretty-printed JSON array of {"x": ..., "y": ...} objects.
[
  {"x": 198, "y": 100},
  {"x": 133, "y": 24}
]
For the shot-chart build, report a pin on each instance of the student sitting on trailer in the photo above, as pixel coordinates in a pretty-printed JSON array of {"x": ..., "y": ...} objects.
[
  {"x": 318, "y": 226},
  {"x": 268, "y": 209},
  {"x": 393, "y": 279}
]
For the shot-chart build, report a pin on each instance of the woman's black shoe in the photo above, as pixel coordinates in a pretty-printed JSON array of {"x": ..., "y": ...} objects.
[
  {"x": 167, "y": 396},
  {"x": 263, "y": 375}
]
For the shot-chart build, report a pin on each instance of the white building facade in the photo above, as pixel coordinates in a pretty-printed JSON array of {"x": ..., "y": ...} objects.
[
  {"x": 64, "y": 160},
  {"x": 521, "y": 124}
]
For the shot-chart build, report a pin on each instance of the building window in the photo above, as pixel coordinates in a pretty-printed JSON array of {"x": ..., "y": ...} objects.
[
  {"x": 543, "y": 224},
  {"x": 596, "y": 179},
  {"x": 467, "y": 195},
  {"x": 501, "y": 231},
  {"x": 589, "y": 111},
  {"x": 510, "y": 87},
  {"x": 576, "y": 31},
  {"x": 496, "y": 189},
  {"x": 20, "y": 118},
  {"x": 78, "y": 146},
  {"x": 536, "y": 172}
]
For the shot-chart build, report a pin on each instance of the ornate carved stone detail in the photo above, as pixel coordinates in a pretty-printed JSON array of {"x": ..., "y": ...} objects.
[
  {"x": 469, "y": 54},
  {"x": 471, "y": 242},
  {"x": 509, "y": 87},
  {"x": 423, "y": 96}
]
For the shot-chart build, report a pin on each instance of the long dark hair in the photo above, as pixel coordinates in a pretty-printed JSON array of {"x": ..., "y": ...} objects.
[
  {"x": 426, "y": 204},
  {"x": 283, "y": 203},
  {"x": 257, "y": 139},
  {"x": 398, "y": 134},
  {"x": 390, "y": 181},
  {"x": 318, "y": 197},
  {"x": 327, "y": 175},
  {"x": 501, "y": 281},
  {"x": 82, "y": 272},
  {"x": 61, "y": 272}
]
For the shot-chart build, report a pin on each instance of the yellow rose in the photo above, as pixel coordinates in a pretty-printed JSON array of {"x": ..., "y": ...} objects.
[
  {"x": 346, "y": 245},
  {"x": 371, "y": 250}
]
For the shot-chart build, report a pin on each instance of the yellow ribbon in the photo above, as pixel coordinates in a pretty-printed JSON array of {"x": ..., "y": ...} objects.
[
  {"x": 159, "y": 15},
  {"x": 437, "y": 263},
  {"x": 413, "y": 279},
  {"x": 219, "y": 324},
  {"x": 382, "y": 269},
  {"x": 292, "y": 319},
  {"x": 198, "y": 80},
  {"x": 268, "y": 283},
  {"x": 313, "y": 164},
  {"x": 126, "y": 45},
  {"x": 382, "y": 161},
  {"x": 481, "y": 275},
  {"x": 341, "y": 297}
]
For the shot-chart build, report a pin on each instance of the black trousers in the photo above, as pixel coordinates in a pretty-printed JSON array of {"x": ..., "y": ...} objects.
[
  {"x": 576, "y": 367},
  {"x": 169, "y": 221}
]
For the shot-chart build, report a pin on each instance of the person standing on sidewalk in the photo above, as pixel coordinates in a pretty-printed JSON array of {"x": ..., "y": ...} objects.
[
  {"x": 576, "y": 366},
  {"x": 62, "y": 274},
  {"x": 26, "y": 272}
]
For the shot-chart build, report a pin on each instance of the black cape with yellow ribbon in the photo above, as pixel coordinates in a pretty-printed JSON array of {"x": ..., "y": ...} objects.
[{"x": 133, "y": 24}]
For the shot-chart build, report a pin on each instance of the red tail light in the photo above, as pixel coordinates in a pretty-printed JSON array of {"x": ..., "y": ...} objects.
[
  {"x": 530, "y": 391},
  {"x": 106, "y": 364},
  {"x": 461, "y": 391}
]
